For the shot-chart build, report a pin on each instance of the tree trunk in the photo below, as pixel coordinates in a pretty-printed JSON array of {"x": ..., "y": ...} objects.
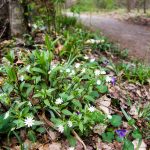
[
  {"x": 144, "y": 6},
  {"x": 128, "y": 5},
  {"x": 16, "y": 17}
]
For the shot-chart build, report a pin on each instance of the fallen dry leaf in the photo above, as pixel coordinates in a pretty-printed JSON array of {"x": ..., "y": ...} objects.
[
  {"x": 103, "y": 103},
  {"x": 143, "y": 146}
]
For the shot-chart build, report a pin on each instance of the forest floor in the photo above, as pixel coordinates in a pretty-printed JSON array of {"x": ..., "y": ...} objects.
[{"x": 135, "y": 38}]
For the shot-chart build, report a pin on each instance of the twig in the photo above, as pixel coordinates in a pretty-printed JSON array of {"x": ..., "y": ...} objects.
[
  {"x": 43, "y": 117},
  {"x": 79, "y": 139},
  {"x": 3, "y": 32}
]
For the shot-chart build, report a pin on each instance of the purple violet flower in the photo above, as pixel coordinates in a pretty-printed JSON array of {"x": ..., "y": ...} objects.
[
  {"x": 78, "y": 113},
  {"x": 113, "y": 81},
  {"x": 121, "y": 133}
]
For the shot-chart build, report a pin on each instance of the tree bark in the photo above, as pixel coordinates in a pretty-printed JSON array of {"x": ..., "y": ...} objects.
[
  {"x": 144, "y": 6},
  {"x": 128, "y": 5},
  {"x": 16, "y": 17}
]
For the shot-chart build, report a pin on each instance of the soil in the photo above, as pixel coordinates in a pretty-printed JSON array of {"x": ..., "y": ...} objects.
[{"x": 135, "y": 38}]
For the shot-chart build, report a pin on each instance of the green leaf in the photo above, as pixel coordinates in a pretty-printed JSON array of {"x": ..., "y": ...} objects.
[
  {"x": 35, "y": 69},
  {"x": 77, "y": 103},
  {"x": 72, "y": 141},
  {"x": 136, "y": 134},
  {"x": 41, "y": 130},
  {"x": 102, "y": 89},
  {"x": 128, "y": 145},
  {"x": 116, "y": 120},
  {"x": 46, "y": 102},
  {"x": 32, "y": 136},
  {"x": 131, "y": 122},
  {"x": 89, "y": 98},
  {"x": 94, "y": 94},
  {"x": 25, "y": 111},
  {"x": 19, "y": 123},
  {"x": 81, "y": 126},
  {"x": 108, "y": 137},
  {"x": 38, "y": 123},
  {"x": 66, "y": 112}
]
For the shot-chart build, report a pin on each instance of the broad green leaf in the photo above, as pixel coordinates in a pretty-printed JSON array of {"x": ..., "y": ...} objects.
[
  {"x": 77, "y": 103},
  {"x": 108, "y": 137},
  {"x": 46, "y": 102},
  {"x": 72, "y": 140},
  {"x": 128, "y": 145},
  {"x": 136, "y": 134},
  {"x": 102, "y": 89},
  {"x": 116, "y": 120},
  {"x": 66, "y": 112},
  {"x": 89, "y": 98}
]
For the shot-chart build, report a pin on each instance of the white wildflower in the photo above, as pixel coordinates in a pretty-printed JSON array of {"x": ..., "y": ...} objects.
[
  {"x": 58, "y": 101},
  {"x": 92, "y": 60},
  {"x": 68, "y": 70},
  {"x": 102, "y": 72},
  {"x": 6, "y": 115},
  {"x": 86, "y": 57},
  {"x": 77, "y": 65},
  {"x": 108, "y": 79},
  {"x": 69, "y": 124},
  {"x": 109, "y": 116},
  {"x": 98, "y": 82},
  {"x": 21, "y": 78},
  {"x": 97, "y": 72},
  {"x": 71, "y": 148},
  {"x": 61, "y": 128},
  {"x": 91, "y": 108},
  {"x": 29, "y": 121}
]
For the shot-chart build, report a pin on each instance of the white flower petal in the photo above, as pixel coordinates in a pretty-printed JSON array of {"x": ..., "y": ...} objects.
[
  {"x": 58, "y": 101},
  {"x": 108, "y": 79},
  {"x": 71, "y": 148},
  {"x": 29, "y": 121},
  {"x": 91, "y": 108},
  {"x": 98, "y": 82},
  {"x": 69, "y": 124},
  {"x": 77, "y": 65},
  {"x": 61, "y": 128},
  {"x": 97, "y": 72}
]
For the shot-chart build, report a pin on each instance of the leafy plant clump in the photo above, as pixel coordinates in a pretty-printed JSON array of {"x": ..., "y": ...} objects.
[{"x": 64, "y": 93}]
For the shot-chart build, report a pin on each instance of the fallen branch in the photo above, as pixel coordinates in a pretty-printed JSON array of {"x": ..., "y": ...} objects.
[
  {"x": 79, "y": 139},
  {"x": 43, "y": 117}
]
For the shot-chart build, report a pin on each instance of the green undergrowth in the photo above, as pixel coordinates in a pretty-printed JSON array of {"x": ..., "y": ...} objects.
[{"x": 61, "y": 82}]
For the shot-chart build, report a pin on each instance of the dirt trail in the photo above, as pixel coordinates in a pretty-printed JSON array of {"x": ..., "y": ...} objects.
[{"x": 136, "y": 38}]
